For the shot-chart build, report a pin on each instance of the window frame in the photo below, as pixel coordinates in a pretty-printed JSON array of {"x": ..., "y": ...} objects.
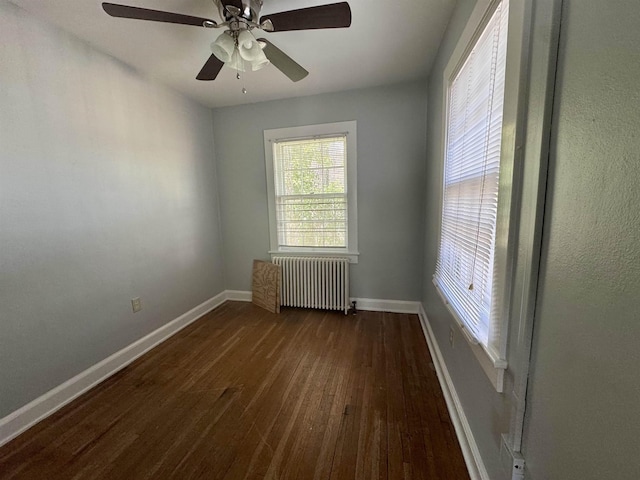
[
  {"x": 349, "y": 128},
  {"x": 493, "y": 357}
]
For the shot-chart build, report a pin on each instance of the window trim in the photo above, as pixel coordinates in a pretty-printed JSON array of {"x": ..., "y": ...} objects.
[
  {"x": 311, "y": 131},
  {"x": 493, "y": 357}
]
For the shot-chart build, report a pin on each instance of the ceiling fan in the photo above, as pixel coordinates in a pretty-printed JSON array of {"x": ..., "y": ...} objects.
[{"x": 237, "y": 46}]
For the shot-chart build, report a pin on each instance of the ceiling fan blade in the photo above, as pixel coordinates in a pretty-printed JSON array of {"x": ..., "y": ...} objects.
[
  {"x": 210, "y": 69},
  {"x": 283, "y": 62},
  {"x": 125, "y": 11},
  {"x": 335, "y": 15}
]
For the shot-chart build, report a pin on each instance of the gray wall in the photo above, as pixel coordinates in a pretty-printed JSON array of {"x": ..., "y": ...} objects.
[
  {"x": 107, "y": 192},
  {"x": 583, "y": 410},
  {"x": 391, "y": 149}
]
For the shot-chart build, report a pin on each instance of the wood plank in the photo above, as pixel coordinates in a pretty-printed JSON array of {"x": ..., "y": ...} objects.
[{"x": 247, "y": 394}]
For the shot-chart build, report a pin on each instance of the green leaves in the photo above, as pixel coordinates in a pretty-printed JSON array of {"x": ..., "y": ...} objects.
[{"x": 311, "y": 192}]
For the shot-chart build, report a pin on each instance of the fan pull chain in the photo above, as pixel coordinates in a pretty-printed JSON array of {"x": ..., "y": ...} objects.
[{"x": 244, "y": 90}]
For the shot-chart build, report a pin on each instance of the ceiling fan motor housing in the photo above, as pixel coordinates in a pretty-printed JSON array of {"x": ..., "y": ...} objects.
[
  {"x": 254, "y": 7},
  {"x": 248, "y": 9}
]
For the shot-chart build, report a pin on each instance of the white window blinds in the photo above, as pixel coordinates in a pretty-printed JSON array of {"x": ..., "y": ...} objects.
[
  {"x": 464, "y": 269},
  {"x": 310, "y": 180}
]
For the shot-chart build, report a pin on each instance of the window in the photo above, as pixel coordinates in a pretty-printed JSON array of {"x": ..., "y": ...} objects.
[
  {"x": 470, "y": 271},
  {"x": 311, "y": 191},
  {"x": 311, "y": 173}
]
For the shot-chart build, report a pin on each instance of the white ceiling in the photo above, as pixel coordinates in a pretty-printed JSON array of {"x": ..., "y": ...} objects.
[{"x": 389, "y": 41}]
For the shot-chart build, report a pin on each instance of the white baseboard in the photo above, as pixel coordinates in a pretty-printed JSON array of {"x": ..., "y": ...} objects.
[
  {"x": 367, "y": 304},
  {"x": 238, "y": 295},
  {"x": 472, "y": 458},
  {"x": 17, "y": 422},
  {"x": 393, "y": 306}
]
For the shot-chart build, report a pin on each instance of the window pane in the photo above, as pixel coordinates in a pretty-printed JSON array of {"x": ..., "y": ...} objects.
[
  {"x": 464, "y": 269},
  {"x": 311, "y": 200}
]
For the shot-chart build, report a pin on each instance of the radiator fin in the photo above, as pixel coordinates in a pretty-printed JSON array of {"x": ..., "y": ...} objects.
[{"x": 314, "y": 282}]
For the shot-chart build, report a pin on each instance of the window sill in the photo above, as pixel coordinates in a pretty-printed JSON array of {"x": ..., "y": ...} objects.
[
  {"x": 492, "y": 365},
  {"x": 352, "y": 256}
]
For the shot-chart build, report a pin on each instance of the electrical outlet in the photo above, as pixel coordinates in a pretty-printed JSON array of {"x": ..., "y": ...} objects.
[
  {"x": 451, "y": 336},
  {"x": 513, "y": 464},
  {"x": 136, "y": 304}
]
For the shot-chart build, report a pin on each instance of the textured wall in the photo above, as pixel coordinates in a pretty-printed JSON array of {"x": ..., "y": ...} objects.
[
  {"x": 391, "y": 149},
  {"x": 583, "y": 404},
  {"x": 107, "y": 192}
]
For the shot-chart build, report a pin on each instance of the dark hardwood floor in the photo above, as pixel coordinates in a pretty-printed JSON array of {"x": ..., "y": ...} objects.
[{"x": 247, "y": 394}]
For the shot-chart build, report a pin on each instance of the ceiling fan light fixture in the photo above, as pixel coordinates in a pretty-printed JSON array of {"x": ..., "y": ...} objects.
[
  {"x": 261, "y": 62},
  {"x": 248, "y": 46},
  {"x": 236, "y": 62},
  {"x": 224, "y": 47}
]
